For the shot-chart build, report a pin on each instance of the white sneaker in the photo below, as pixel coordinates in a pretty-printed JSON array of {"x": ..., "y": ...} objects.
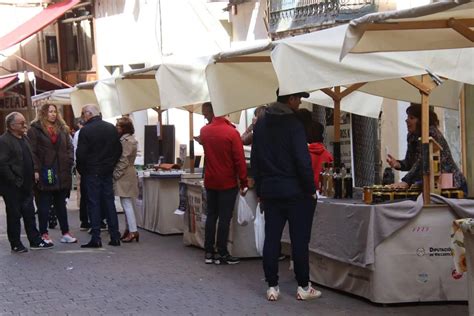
[
  {"x": 307, "y": 293},
  {"x": 272, "y": 293},
  {"x": 68, "y": 239}
]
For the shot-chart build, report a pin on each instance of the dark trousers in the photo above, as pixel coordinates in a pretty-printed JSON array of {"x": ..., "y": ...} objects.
[
  {"x": 58, "y": 199},
  {"x": 220, "y": 206},
  {"x": 100, "y": 194},
  {"x": 83, "y": 213},
  {"x": 83, "y": 217},
  {"x": 299, "y": 214},
  {"x": 19, "y": 204}
]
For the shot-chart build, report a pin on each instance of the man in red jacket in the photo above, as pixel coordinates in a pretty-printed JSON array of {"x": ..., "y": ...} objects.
[{"x": 224, "y": 165}]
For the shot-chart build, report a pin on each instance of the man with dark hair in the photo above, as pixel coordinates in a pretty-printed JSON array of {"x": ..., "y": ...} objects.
[
  {"x": 224, "y": 165},
  {"x": 285, "y": 186},
  {"x": 16, "y": 184},
  {"x": 98, "y": 151}
]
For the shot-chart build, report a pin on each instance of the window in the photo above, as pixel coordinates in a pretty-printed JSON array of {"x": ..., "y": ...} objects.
[{"x": 51, "y": 49}]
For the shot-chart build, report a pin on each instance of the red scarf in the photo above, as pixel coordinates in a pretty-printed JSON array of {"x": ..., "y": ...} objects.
[{"x": 52, "y": 134}]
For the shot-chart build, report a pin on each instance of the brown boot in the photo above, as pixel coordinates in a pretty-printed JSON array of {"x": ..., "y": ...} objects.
[
  {"x": 131, "y": 237},
  {"x": 125, "y": 234}
]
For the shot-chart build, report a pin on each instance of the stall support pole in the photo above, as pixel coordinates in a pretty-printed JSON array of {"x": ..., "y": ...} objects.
[
  {"x": 425, "y": 135},
  {"x": 337, "y": 96},
  {"x": 337, "y": 128},
  {"x": 425, "y": 86},
  {"x": 462, "y": 120},
  {"x": 28, "y": 98},
  {"x": 191, "y": 142}
]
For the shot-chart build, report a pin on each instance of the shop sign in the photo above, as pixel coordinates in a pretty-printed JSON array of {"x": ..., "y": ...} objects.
[
  {"x": 196, "y": 214},
  {"x": 434, "y": 252},
  {"x": 11, "y": 102}
]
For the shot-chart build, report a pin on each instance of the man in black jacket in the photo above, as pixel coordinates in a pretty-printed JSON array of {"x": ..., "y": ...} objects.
[
  {"x": 16, "y": 184},
  {"x": 98, "y": 150},
  {"x": 284, "y": 180}
]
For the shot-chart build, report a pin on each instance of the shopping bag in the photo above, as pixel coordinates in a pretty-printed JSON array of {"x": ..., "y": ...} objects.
[
  {"x": 259, "y": 227},
  {"x": 245, "y": 214}
]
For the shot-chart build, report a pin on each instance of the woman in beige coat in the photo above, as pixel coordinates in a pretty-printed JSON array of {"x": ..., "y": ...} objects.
[{"x": 125, "y": 177}]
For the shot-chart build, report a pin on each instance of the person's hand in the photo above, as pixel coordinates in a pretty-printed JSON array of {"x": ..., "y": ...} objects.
[
  {"x": 37, "y": 177},
  {"x": 244, "y": 191},
  {"x": 399, "y": 185},
  {"x": 198, "y": 139},
  {"x": 394, "y": 163}
]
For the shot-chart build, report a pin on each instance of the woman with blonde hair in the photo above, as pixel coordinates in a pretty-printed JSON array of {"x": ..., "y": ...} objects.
[
  {"x": 53, "y": 161},
  {"x": 125, "y": 177}
]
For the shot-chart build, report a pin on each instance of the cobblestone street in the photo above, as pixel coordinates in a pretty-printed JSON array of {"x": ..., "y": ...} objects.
[{"x": 158, "y": 276}]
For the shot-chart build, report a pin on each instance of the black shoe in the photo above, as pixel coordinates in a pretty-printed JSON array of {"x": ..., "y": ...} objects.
[
  {"x": 114, "y": 242},
  {"x": 42, "y": 245},
  {"x": 19, "y": 249},
  {"x": 85, "y": 226},
  {"x": 226, "y": 259},
  {"x": 92, "y": 244},
  {"x": 209, "y": 258}
]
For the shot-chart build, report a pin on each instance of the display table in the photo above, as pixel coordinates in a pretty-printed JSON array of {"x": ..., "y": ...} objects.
[
  {"x": 241, "y": 238},
  {"x": 159, "y": 200},
  {"x": 386, "y": 253}
]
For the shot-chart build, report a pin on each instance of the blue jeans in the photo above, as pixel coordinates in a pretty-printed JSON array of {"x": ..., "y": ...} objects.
[
  {"x": 299, "y": 213},
  {"x": 100, "y": 193},
  {"x": 58, "y": 199},
  {"x": 220, "y": 205}
]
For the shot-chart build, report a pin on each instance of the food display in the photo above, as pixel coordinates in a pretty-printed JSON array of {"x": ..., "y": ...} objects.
[{"x": 376, "y": 194}]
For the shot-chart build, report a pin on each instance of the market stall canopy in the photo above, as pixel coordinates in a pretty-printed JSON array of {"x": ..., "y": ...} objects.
[
  {"x": 238, "y": 79},
  {"x": 37, "y": 23},
  {"x": 83, "y": 94},
  {"x": 310, "y": 62},
  {"x": 183, "y": 83},
  {"x": 440, "y": 25},
  {"x": 58, "y": 97},
  {"x": 138, "y": 90}
]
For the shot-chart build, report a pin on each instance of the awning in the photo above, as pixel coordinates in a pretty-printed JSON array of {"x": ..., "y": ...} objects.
[
  {"x": 7, "y": 80},
  {"x": 37, "y": 23},
  {"x": 440, "y": 25}
]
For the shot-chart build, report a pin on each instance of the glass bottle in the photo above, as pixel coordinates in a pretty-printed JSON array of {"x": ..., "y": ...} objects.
[
  {"x": 323, "y": 179},
  {"x": 330, "y": 183},
  {"x": 348, "y": 184},
  {"x": 337, "y": 184}
]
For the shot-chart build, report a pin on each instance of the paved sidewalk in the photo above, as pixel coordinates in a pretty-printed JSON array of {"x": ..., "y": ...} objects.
[{"x": 158, "y": 276}]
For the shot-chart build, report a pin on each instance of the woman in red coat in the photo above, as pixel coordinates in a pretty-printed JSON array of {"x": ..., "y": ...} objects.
[{"x": 318, "y": 152}]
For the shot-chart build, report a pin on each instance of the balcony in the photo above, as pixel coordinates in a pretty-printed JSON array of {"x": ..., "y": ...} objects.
[{"x": 297, "y": 15}]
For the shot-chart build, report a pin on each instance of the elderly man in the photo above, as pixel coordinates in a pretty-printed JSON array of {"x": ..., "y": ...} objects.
[
  {"x": 285, "y": 185},
  {"x": 97, "y": 153},
  {"x": 16, "y": 184}
]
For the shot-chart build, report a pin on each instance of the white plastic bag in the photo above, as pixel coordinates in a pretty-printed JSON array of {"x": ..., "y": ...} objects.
[
  {"x": 259, "y": 226},
  {"x": 245, "y": 214}
]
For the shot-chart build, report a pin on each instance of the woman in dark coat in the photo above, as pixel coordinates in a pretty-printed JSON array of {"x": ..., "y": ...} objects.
[
  {"x": 412, "y": 161},
  {"x": 53, "y": 160}
]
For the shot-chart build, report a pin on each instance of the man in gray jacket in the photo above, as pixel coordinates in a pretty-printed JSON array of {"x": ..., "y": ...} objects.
[{"x": 16, "y": 184}]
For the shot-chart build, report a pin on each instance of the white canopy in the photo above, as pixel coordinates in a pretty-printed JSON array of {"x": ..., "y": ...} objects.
[
  {"x": 58, "y": 97},
  {"x": 238, "y": 79},
  {"x": 440, "y": 25},
  {"x": 81, "y": 97},
  {"x": 310, "y": 62}
]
